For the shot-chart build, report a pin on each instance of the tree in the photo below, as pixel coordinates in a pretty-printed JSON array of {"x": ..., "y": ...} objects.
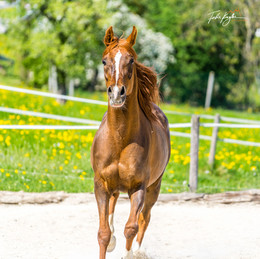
[
  {"x": 202, "y": 46},
  {"x": 63, "y": 33}
]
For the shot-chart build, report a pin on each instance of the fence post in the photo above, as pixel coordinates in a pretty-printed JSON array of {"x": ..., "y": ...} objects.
[
  {"x": 194, "y": 152},
  {"x": 209, "y": 89},
  {"x": 214, "y": 140}
]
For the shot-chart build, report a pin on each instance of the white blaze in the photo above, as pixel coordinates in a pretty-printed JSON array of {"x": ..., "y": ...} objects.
[{"x": 117, "y": 62}]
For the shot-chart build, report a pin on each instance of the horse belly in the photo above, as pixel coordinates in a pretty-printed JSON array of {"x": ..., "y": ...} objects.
[
  {"x": 133, "y": 167},
  {"x": 159, "y": 156}
]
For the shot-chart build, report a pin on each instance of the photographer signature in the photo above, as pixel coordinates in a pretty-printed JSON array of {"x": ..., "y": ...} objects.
[{"x": 226, "y": 18}]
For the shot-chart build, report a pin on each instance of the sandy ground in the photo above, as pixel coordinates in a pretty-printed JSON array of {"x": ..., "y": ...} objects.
[{"x": 177, "y": 230}]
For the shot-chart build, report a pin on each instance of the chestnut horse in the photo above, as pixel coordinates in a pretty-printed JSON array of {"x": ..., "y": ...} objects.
[{"x": 132, "y": 146}]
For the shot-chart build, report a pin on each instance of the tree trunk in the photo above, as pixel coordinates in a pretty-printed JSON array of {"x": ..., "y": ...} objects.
[{"x": 61, "y": 84}]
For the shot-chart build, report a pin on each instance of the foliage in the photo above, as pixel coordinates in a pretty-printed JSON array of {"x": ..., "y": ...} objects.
[
  {"x": 202, "y": 46},
  {"x": 68, "y": 34},
  {"x": 61, "y": 33}
]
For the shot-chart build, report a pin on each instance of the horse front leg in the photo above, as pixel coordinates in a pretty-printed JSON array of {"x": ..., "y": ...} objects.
[
  {"x": 131, "y": 227},
  {"x": 104, "y": 232}
]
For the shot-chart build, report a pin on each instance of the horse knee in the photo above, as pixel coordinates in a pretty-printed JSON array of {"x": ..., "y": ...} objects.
[
  {"x": 104, "y": 236},
  {"x": 131, "y": 230}
]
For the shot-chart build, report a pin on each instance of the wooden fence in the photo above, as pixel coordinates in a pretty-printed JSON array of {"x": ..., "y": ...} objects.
[
  {"x": 194, "y": 125},
  {"x": 194, "y": 148}
]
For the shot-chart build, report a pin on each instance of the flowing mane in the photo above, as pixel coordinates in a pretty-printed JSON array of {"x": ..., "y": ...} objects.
[{"x": 148, "y": 90}]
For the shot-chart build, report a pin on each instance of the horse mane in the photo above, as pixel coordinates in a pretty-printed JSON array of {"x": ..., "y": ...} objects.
[{"x": 148, "y": 90}]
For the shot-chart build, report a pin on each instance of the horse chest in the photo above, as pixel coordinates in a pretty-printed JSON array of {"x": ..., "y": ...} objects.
[{"x": 127, "y": 169}]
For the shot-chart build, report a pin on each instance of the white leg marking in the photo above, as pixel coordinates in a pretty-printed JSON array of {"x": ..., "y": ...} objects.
[
  {"x": 117, "y": 62},
  {"x": 112, "y": 243},
  {"x": 111, "y": 222},
  {"x": 136, "y": 246}
]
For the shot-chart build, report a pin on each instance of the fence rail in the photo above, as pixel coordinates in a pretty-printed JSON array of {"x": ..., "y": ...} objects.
[
  {"x": 49, "y": 127},
  {"x": 48, "y": 116},
  {"x": 47, "y": 94},
  {"x": 212, "y": 117}
]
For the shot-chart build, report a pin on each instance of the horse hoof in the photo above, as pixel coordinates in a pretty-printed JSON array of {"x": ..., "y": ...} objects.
[
  {"x": 128, "y": 255},
  {"x": 112, "y": 244}
]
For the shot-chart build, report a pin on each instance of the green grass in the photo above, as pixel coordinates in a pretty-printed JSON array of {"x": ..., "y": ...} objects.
[{"x": 48, "y": 160}]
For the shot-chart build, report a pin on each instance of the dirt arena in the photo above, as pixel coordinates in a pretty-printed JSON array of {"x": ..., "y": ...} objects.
[{"x": 68, "y": 230}]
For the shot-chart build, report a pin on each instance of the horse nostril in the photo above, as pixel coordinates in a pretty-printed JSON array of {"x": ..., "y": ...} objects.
[
  {"x": 109, "y": 90},
  {"x": 122, "y": 91}
]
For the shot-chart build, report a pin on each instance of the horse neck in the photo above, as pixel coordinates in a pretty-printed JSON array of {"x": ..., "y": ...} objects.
[{"x": 125, "y": 121}]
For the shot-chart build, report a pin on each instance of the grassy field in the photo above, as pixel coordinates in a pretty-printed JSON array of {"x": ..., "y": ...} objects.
[{"x": 50, "y": 160}]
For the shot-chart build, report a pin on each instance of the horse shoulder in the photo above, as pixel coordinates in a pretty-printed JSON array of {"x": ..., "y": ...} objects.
[{"x": 98, "y": 153}]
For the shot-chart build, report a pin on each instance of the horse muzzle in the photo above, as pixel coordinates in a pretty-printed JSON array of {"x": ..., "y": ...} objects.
[{"x": 117, "y": 95}]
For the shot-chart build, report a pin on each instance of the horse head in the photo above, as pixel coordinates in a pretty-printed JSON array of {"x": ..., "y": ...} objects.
[{"x": 119, "y": 66}]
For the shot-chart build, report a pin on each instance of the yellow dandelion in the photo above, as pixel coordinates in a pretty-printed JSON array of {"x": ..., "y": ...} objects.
[
  {"x": 253, "y": 168},
  {"x": 8, "y": 141},
  {"x": 2, "y": 170},
  {"x": 82, "y": 112},
  {"x": 75, "y": 167},
  {"x": 78, "y": 155},
  {"x": 7, "y": 174},
  {"x": 27, "y": 155},
  {"x": 61, "y": 168},
  {"x": 16, "y": 171},
  {"x": 23, "y": 172},
  {"x": 27, "y": 186},
  {"x": 44, "y": 182},
  {"x": 61, "y": 145}
]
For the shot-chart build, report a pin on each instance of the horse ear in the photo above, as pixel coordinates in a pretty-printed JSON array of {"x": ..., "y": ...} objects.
[
  {"x": 109, "y": 36},
  {"x": 132, "y": 37}
]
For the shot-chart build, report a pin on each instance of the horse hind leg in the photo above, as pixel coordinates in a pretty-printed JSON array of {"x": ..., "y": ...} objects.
[
  {"x": 131, "y": 227},
  {"x": 112, "y": 204},
  {"x": 152, "y": 193}
]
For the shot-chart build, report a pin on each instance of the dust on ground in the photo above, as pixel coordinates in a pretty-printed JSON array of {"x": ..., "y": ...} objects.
[{"x": 68, "y": 230}]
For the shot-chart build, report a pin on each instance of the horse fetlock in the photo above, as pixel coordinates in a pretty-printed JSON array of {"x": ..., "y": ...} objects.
[
  {"x": 104, "y": 237},
  {"x": 131, "y": 230}
]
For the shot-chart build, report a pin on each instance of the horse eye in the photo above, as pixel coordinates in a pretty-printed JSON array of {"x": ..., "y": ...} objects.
[
  {"x": 104, "y": 62},
  {"x": 131, "y": 61}
]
